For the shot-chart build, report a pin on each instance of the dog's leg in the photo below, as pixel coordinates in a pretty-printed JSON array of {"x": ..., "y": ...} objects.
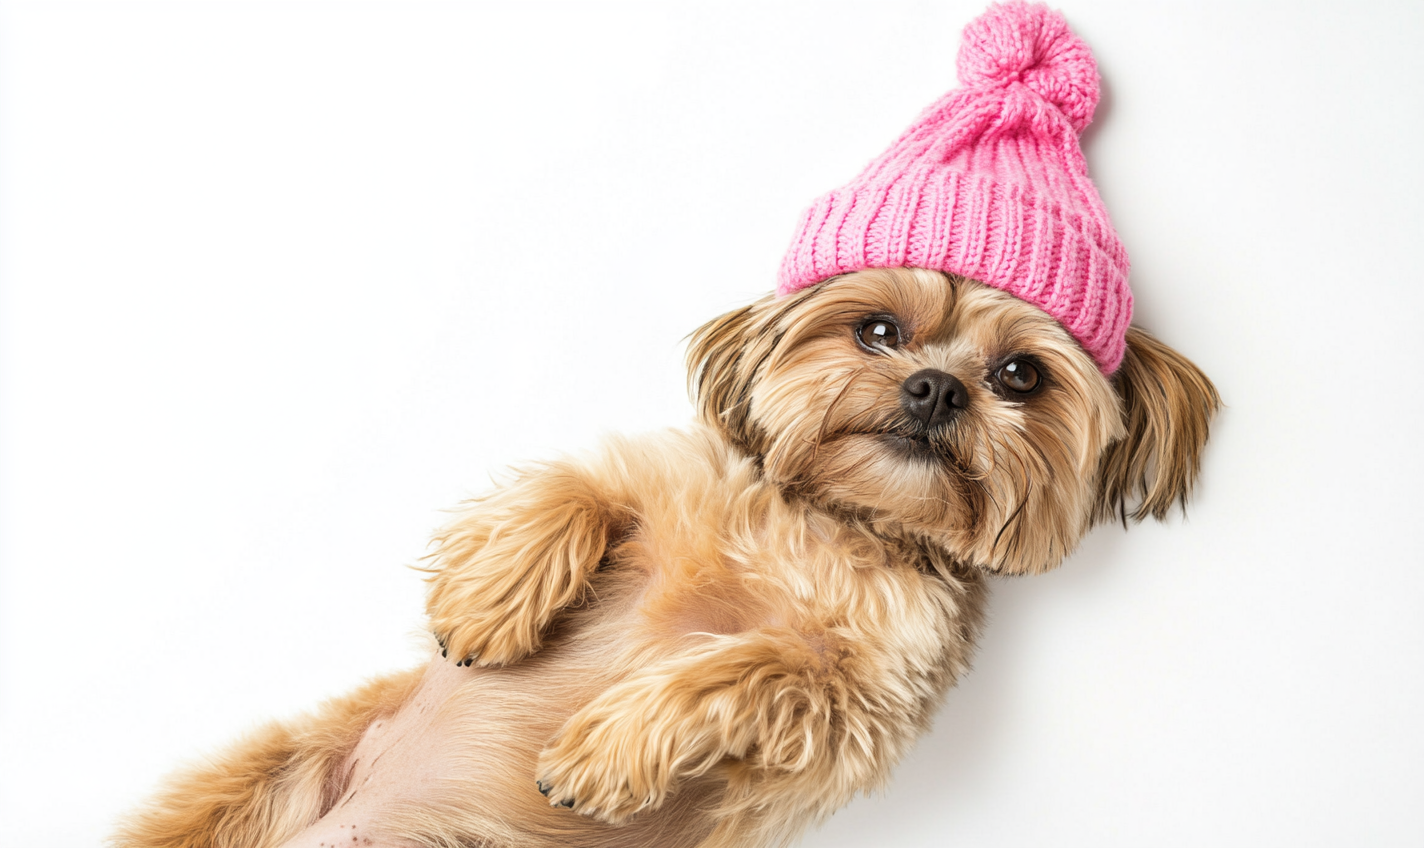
[
  {"x": 514, "y": 559},
  {"x": 790, "y": 707},
  {"x": 517, "y": 556},
  {"x": 268, "y": 787}
]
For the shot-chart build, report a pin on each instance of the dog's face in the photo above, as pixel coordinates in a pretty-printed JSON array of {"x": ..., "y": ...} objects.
[{"x": 951, "y": 410}]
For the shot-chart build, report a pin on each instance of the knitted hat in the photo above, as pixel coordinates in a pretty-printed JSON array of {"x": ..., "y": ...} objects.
[{"x": 990, "y": 184}]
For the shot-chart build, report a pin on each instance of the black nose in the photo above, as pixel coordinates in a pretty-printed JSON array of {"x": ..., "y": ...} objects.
[{"x": 933, "y": 397}]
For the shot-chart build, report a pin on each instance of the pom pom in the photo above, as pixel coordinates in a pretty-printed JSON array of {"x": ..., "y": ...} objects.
[{"x": 1031, "y": 44}]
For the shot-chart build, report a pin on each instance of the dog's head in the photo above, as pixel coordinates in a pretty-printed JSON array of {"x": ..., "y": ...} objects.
[{"x": 952, "y": 412}]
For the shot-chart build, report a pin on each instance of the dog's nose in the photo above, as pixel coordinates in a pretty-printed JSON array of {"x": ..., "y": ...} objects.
[{"x": 933, "y": 396}]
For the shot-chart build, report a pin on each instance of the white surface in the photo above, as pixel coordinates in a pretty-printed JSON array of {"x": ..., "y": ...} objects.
[{"x": 281, "y": 281}]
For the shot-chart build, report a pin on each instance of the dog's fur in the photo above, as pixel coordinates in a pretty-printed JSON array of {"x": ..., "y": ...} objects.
[{"x": 719, "y": 635}]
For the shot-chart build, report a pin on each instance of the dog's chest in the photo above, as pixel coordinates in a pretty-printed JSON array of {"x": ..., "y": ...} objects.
[{"x": 748, "y": 560}]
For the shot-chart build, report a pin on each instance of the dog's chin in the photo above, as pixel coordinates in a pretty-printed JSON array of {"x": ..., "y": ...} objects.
[{"x": 899, "y": 477}]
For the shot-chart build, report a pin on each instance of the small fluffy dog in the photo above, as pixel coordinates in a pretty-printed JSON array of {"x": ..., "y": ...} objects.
[{"x": 716, "y": 636}]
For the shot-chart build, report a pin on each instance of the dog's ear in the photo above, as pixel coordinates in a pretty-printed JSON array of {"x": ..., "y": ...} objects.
[
  {"x": 722, "y": 360},
  {"x": 1168, "y": 404}
]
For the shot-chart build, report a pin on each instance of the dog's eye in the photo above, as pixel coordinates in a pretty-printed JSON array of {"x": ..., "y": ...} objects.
[
  {"x": 879, "y": 332},
  {"x": 1019, "y": 375}
]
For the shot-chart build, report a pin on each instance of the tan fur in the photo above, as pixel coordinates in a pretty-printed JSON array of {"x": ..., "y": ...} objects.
[
  {"x": 1169, "y": 403},
  {"x": 269, "y": 786},
  {"x": 717, "y": 636}
]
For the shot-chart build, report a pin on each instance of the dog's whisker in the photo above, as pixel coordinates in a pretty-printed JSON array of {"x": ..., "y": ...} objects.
[
  {"x": 1018, "y": 510},
  {"x": 831, "y": 409}
]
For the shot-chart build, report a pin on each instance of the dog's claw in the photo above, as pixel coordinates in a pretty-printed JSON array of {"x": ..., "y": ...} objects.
[
  {"x": 445, "y": 652},
  {"x": 546, "y": 788}
]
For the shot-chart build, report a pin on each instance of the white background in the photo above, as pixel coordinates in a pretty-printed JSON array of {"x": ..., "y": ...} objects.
[{"x": 281, "y": 281}]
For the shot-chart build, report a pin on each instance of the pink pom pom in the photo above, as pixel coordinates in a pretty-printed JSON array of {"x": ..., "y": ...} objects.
[{"x": 1031, "y": 44}]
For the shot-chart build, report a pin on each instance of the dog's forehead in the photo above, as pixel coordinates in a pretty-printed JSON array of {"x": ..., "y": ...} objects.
[
  {"x": 908, "y": 294},
  {"x": 934, "y": 311},
  {"x": 963, "y": 313},
  {"x": 989, "y": 318}
]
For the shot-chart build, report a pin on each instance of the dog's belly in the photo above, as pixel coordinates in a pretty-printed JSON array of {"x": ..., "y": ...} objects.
[
  {"x": 457, "y": 761},
  {"x": 397, "y": 762}
]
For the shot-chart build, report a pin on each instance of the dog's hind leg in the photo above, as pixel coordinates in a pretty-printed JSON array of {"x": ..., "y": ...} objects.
[{"x": 269, "y": 786}]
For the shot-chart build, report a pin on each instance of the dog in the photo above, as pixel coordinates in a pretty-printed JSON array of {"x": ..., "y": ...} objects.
[{"x": 719, "y": 635}]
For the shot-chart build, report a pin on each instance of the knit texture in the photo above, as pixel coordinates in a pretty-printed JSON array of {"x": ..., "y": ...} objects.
[{"x": 990, "y": 183}]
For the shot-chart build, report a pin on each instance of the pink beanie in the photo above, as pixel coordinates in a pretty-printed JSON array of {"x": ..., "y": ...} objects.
[{"x": 990, "y": 183}]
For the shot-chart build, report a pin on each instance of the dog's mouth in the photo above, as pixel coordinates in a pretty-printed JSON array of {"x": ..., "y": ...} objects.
[{"x": 918, "y": 446}]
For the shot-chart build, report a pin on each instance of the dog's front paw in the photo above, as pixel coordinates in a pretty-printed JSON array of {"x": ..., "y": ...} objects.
[
  {"x": 494, "y": 615},
  {"x": 511, "y": 564},
  {"x": 600, "y": 769},
  {"x": 486, "y": 640}
]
